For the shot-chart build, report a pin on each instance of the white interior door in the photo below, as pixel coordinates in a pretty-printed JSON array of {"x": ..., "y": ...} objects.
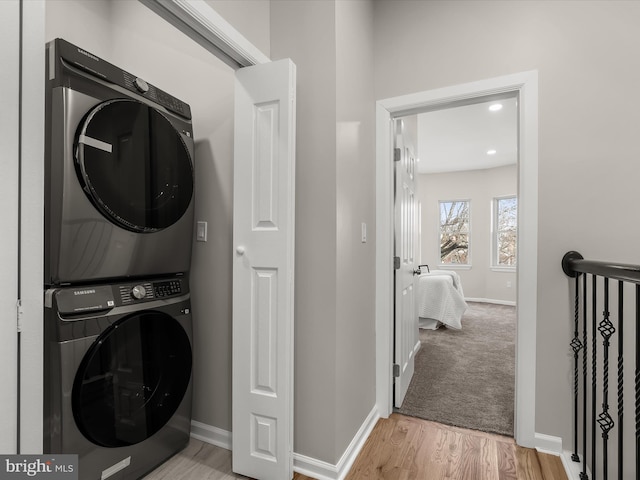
[
  {"x": 263, "y": 237},
  {"x": 406, "y": 234}
]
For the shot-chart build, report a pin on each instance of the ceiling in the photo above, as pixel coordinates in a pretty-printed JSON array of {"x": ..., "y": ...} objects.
[{"x": 458, "y": 138}]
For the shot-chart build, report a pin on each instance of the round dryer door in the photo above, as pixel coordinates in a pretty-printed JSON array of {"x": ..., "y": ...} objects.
[
  {"x": 132, "y": 380},
  {"x": 134, "y": 165}
]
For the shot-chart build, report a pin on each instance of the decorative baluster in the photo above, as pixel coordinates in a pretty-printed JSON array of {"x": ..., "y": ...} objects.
[
  {"x": 585, "y": 346},
  {"x": 594, "y": 372},
  {"x": 574, "y": 264},
  {"x": 620, "y": 378},
  {"x": 576, "y": 345},
  {"x": 637, "y": 382},
  {"x": 605, "y": 421}
]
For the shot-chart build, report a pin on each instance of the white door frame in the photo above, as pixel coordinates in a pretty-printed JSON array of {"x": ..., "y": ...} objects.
[
  {"x": 526, "y": 85},
  {"x": 9, "y": 195},
  {"x": 23, "y": 193}
]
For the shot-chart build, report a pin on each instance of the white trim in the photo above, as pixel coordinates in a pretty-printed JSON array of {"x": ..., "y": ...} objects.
[
  {"x": 325, "y": 471},
  {"x": 491, "y": 300},
  {"x": 9, "y": 197},
  {"x": 213, "y": 435},
  {"x": 454, "y": 266},
  {"x": 548, "y": 444},
  {"x": 526, "y": 85},
  {"x": 552, "y": 445},
  {"x": 384, "y": 261},
  {"x": 198, "y": 20},
  {"x": 32, "y": 226},
  {"x": 416, "y": 347},
  {"x": 494, "y": 268}
]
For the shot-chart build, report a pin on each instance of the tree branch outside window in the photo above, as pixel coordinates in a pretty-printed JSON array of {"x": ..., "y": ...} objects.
[
  {"x": 454, "y": 232},
  {"x": 506, "y": 231}
]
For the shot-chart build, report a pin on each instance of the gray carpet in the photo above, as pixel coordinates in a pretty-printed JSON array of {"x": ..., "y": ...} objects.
[{"x": 466, "y": 378}]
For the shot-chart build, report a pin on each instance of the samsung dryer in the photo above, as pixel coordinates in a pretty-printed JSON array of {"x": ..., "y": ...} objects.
[
  {"x": 118, "y": 368},
  {"x": 119, "y": 178}
]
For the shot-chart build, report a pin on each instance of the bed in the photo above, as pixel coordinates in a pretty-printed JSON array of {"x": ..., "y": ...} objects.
[{"x": 440, "y": 300}]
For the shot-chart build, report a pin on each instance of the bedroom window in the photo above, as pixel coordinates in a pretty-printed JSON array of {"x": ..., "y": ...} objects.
[
  {"x": 454, "y": 232},
  {"x": 505, "y": 231}
]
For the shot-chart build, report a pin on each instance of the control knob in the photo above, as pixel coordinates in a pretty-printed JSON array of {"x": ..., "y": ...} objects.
[
  {"x": 139, "y": 292},
  {"x": 141, "y": 85}
]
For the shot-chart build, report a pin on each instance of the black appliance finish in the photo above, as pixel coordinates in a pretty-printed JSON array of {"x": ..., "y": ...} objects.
[
  {"x": 118, "y": 364},
  {"x": 119, "y": 173}
]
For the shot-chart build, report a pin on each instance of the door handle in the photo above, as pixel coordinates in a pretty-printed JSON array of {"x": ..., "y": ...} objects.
[
  {"x": 418, "y": 271},
  {"x": 240, "y": 250}
]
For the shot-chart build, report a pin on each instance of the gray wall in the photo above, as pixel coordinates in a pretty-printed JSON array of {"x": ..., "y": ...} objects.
[
  {"x": 305, "y": 32},
  {"x": 585, "y": 53},
  {"x": 355, "y": 285},
  {"x": 480, "y": 187},
  {"x": 331, "y": 44}
]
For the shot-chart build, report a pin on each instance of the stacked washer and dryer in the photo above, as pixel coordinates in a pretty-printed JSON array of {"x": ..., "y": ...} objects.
[{"x": 118, "y": 232}]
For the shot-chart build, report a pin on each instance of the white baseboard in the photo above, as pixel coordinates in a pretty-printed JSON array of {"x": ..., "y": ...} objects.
[
  {"x": 553, "y": 446},
  {"x": 417, "y": 347},
  {"x": 301, "y": 463},
  {"x": 490, "y": 300},
  {"x": 213, "y": 435},
  {"x": 548, "y": 444},
  {"x": 325, "y": 471}
]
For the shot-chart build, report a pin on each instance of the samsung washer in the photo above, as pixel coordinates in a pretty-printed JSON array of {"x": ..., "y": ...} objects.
[
  {"x": 118, "y": 364},
  {"x": 119, "y": 181}
]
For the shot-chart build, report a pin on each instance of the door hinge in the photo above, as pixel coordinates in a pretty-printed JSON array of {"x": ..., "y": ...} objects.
[
  {"x": 397, "y": 154},
  {"x": 396, "y": 370},
  {"x": 19, "y": 313},
  {"x": 396, "y": 262}
]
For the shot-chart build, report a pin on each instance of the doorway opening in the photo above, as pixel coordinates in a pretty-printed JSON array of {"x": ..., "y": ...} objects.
[
  {"x": 525, "y": 87},
  {"x": 464, "y": 273}
]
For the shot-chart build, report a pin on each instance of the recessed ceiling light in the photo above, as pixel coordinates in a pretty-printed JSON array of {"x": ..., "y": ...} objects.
[
  {"x": 491, "y": 152},
  {"x": 495, "y": 107}
]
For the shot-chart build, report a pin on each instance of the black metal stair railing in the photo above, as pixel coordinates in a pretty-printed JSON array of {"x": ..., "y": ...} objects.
[{"x": 591, "y": 403}]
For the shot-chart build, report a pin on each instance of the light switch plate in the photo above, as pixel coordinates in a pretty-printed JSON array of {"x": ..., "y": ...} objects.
[{"x": 201, "y": 231}]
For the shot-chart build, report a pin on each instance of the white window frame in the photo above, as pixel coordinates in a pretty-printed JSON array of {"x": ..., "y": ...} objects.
[
  {"x": 454, "y": 266},
  {"x": 495, "y": 266}
]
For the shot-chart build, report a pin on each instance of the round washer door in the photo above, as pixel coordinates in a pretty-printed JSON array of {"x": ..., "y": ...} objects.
[
  {"x": 132, "y": 379},
  {"x": 134, "y": 165}
]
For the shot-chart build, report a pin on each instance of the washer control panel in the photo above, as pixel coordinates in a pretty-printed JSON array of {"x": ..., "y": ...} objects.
[
  {"x": 99, "y": 298},
  {"x": 146, "y": 291}
]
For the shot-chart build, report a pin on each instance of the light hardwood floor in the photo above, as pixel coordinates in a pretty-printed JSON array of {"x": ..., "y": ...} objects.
[{"x": 399, "y": 448}]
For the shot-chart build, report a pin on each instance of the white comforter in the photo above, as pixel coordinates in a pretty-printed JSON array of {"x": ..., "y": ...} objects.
[{"x": 440, "y": 299}]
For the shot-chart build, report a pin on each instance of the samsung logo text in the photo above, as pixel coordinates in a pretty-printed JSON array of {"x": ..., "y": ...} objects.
[
  {"x": 87, "y": 54},
  {"x": 84, "y": 292}
]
